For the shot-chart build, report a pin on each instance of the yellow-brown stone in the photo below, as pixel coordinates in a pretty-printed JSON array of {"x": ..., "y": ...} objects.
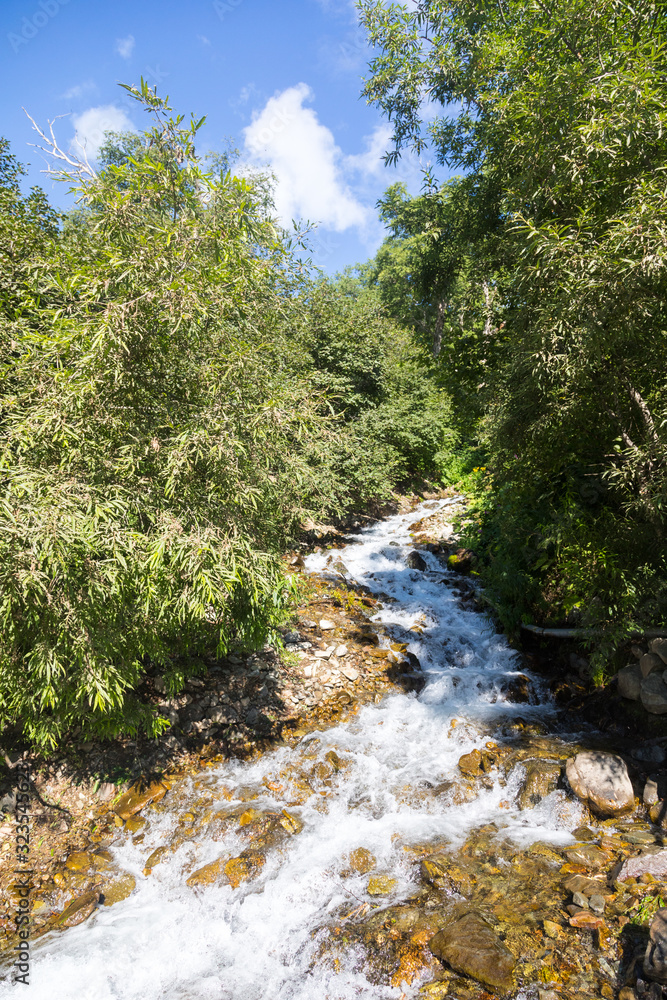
[
  {"x": 119, "y": 889},
  {"x": 155, "y": 858},
  {"x": 78, "y": 910},
  {"x": 362, "y": 861},
  {"x": 138, "y": 797},
  {"x": 249, "y": 816},
  {"x": 244, "y": 867},
  {"x": 290, "y": 823},
  {"x": 380, "y": 885},
  {"x": 208, "y": 874}
]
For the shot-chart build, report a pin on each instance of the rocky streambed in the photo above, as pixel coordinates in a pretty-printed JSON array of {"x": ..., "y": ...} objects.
[{"x": 460, "y": 840}]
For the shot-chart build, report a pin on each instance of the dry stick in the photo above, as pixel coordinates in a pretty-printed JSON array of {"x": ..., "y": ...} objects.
[{"x": 53, "y": 150}]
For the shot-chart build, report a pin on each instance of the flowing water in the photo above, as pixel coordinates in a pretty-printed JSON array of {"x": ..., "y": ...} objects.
[{"x": 393, "y": 793}]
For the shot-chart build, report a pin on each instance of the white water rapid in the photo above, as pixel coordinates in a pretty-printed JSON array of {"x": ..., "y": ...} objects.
[{"x": 263, "y": 940}]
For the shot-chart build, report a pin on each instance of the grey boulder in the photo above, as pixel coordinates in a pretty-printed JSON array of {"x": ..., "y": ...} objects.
[{"x": 601, "y": 780}]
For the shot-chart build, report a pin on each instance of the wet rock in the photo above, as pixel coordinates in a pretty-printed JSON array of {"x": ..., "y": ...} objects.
[
  {"x": 78, "y": 910},
  {"x": 649, "y": 754},
  {"x": 154, "y": 859},
  {"x": 471, "y": 764},
  {"x": 659, "y": 648},
  {"x": 541, "y": 779},
  {"x": 118, "y": 889},
  {"x": 80, "y": 861},
  {"x": 630, "y": 682},
  {"x": 471, "y": 946},
  {"x": 650, "y": 662},
  {"x": 415, "y": 561},
  {"x": 362, "y": 861},
  {"x": 580, "y": 900},
  {"x": 581, "y": 883},
  {"x": 588, "y": 855},
  {"x": 240, "y": 869},
  {"x": 138, "y": 797},
  {"x": 597, "y": 904},
  {"x": 289, "y": 822},
  {"x": 208, "y": 874},
  {"x": 655, "y": 959},
  {"x": 586, "y": 920},
  {"x": 380, "y": 885},
  {"x": 601, "y": 780},
  {"x": 652, "y": 864},
  {"x": 653, "y": 791},
  {"x": 653, "y": 694},
  {"x": 552, "y": 929},
  {"x": 461, "y": 561},
  {"x": 519, "y": 689}
]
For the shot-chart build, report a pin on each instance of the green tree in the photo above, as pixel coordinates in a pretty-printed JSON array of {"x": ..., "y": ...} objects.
[
  {"x": 556, "y": 112},
  {"x": 152, "y": 450}
]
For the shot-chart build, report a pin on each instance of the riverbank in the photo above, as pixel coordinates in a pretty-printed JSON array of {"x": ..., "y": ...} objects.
[
  {"x": 241, "y": 707},
  {"x": 415, "y": 820}
]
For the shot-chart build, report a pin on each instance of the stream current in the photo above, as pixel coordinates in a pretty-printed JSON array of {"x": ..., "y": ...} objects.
[{"x": 266, "y": 939}]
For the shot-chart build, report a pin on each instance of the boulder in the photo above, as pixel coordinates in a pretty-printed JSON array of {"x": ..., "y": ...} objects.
[
  {"x": 541, "y": 779},
  {"x": 461, "y": 561},
  {"x": 651, "y": 864},
  {"x": 415, "y": 561},
  {"x": 653, "y": 694},
  {"x": 601, "y": 780},
  {"x": 655, "y": 959},
  {"x": 650, "y": 662},
  {"x": 630, "y": 681},
  {"x": 659, "y": 648},
  {"x": 471, "y": 947}
]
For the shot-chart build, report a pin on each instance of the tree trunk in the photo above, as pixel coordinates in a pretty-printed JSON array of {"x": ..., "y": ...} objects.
[{"x": 439, "y": 325}]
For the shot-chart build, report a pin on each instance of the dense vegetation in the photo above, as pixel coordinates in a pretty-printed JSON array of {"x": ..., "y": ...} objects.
[
  {"x": 176, "y": 398},
  {"x": 179, "y": 393},
  {"x": 539, "y": 277}
]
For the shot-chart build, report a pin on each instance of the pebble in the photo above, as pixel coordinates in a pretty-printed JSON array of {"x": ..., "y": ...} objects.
[
  {"x": 349, "y": 672},
  {"x": 327, "y": 625},
  {"x": 597, "y": 904},
  {"x": 579, "y": 899}
]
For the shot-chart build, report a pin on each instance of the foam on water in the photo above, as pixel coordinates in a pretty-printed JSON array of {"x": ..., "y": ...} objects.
[{"x": 169, "y": 942}]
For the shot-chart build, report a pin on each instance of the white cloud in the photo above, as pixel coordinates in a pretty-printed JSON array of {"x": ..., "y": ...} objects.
[
  {"x": 203, "y": 39},
  {"x": 79, "y": 90},
  {"x": 372, "y": 160},
  {"x": 125, "y": 46},
  {"x": 91, "y": 125},
  {"x": 306, "y": 161}
]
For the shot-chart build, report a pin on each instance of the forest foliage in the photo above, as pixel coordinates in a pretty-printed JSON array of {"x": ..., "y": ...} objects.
[
  {"x": 180, "y": 392},
  {"x": 539, "y": 277},
  {"x": 177, "y": 397}
]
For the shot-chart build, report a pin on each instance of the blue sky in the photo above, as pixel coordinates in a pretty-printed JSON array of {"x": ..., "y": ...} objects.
[{"x": 281, "y": 79}]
